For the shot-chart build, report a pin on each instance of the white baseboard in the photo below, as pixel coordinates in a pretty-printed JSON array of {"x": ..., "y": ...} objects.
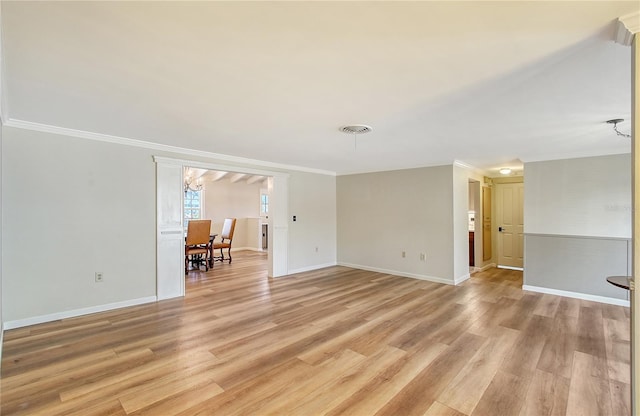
[
  {"x": 19, "y": 323},
  {"x": 233, "y": 249},
  {"x": 311, "y": 268},
  {"x": 461, "y": 279},
  {"x": 577, "y": 295},
  {"x": 483, "y": 268},
  {"x": 510, "y": 268},
  {"x": 399, "y": 273}
]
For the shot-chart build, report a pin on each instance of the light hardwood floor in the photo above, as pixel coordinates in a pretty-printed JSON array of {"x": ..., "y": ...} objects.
[{"x": 336, "y": 341}]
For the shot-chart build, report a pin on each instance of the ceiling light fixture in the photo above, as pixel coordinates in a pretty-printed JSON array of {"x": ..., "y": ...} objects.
[
  {"x": 505, "y": 171},
  {"x": 189, "y": 185},
  {"x": 615, "y": 122},
  {"x": 356, "y": 129}
]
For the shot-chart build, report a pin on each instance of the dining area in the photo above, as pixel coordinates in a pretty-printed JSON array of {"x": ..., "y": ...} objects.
[{"x": 204, "y": 247}]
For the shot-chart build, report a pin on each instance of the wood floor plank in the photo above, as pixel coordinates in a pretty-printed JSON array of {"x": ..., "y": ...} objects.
[
  {"x": 524, "y": 356},
  {"x": 504, "y": 396},
  {"x": 340, "y": 389},
  {"x": 547, "y": 395},
  {"x": 417, "y": 396},
  {"x": 167, "y": 387},
  {"x": 466, "y": 389},
  {"x": 335, "y": 341},
  {"x": 588, "y": 394},
  {"x": 620, "y": 398},
  {"x": 591, "y": 332},
  {"x": 557, "y": 353},
  {"x": 439, "y": 409},
  {"x": 383, "y": 387},
  {"x": 337, "y": 367},
  {"x": 547, "y": 306}
]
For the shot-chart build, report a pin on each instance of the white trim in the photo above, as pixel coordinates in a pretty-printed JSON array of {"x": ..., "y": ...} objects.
[
  {"x": 46, "y": 128},
  {"x": 311, "y": 268},
  {"x": 234, "y": 249},
  {"x": 461, "y": 279},
  {"x": 590, "y": 237},
  {"x": 622, "y": 35},
  {"x": 19, "y": 323},
  {"x": 569, "y": 155},
  {"x": 471, "y": 168},
  {"x": 500, "y": 266},
  {"x": 631, "y": 22},
  {"x": 483, "y": 268},
  {"x": 398, "y": 273},
  {"x": 576, "y": 295},
  {"x": 216, "y": 166}
]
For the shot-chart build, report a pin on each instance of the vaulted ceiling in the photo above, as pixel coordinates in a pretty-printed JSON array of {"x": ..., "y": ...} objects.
[{"x": 490, "y": 84}]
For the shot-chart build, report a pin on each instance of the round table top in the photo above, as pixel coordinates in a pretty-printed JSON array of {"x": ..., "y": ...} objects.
[{"x": 620, "y": 281}]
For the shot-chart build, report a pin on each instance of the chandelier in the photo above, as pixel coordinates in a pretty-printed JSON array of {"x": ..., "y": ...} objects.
[{"x": 189, "y": 184}]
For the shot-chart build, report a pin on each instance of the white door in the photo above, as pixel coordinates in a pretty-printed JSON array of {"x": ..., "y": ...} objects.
[
  {"x": 510, "y": 224},
  {"x": 170, "y": 232}
]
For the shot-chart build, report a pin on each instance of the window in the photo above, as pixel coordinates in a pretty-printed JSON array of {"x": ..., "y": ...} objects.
[
  {"x": 192, "y": 206},
  {"x": 264, "y": 204}
]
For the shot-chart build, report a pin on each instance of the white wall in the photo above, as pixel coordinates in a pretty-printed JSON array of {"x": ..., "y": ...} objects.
[
  {"x": 382, "y": 214},
  {"x": 577, "y": 219},
  {"x": 312, "y": 199},
  {"x": 583, "y": 197},
  {"x": 73, "y": 206},
  {"x": 460, "y": 223},
  {"x": 223, "y": 199}
]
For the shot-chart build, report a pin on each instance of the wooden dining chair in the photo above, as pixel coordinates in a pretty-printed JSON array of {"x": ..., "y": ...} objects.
[
  {"x": 228, "y": 228},
  {"x": 197, "y": 243}
]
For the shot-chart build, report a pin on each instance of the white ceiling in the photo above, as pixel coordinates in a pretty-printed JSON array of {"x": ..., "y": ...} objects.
[{"x": 486, "y": 83}]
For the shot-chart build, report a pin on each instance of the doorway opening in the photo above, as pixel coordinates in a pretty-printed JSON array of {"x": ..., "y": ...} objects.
[
  {"x": 170, "y": 183},
  {"x": 475, "y": 229}
]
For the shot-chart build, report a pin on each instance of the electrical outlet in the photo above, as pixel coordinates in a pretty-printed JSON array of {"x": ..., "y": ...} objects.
[
  {"x": 404, "y": 254},
  {"x": 423, "y": 256},
  {"x": 316, "y": 249},
  {"x": 99, "y": 277}
]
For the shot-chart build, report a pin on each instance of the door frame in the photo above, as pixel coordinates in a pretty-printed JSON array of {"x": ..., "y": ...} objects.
[{"x": 277, "y": 250}]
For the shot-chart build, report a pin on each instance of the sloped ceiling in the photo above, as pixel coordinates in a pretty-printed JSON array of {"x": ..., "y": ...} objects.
[{"x": 486, "y": 83}]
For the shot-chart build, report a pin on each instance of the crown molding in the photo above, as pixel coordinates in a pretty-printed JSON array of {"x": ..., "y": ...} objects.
[
  {"x": 82, "y": 134},
  {"x": 469, "y": 167},
  {"x": 464, "y": 165},
  {"x": 631, "y": 21},
  {"x": 218, "y": 166},
  {"x": 627, "y": 26},
  {"x": 574, "y": 155}
]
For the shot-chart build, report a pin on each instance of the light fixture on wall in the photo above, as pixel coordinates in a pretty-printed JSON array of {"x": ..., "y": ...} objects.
[
  {"x": 356, "y": 129},
  {"x": 505, "y": 171},
  {"x": 615, "y": 122},
  {"x": 188, "y": 183}
]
